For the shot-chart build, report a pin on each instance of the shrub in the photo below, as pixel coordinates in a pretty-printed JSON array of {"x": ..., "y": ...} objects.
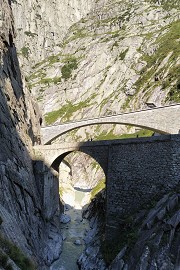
[
  {"x": 9, "y": 267},
  {"x": 69, "y": 67},
  {"x": 25, "y": 52},
  {"x": 30, "y": 34},
  {"x": 3, "y": 260},
  {"x": 123, "y": 54},
  {"x": 15, "y": 255}
]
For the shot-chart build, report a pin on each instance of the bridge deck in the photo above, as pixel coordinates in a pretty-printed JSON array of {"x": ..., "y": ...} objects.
[{"x": 164, "y": 120}]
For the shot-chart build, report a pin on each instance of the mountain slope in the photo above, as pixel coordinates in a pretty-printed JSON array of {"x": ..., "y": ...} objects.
[{"x": 117, "y": 58}]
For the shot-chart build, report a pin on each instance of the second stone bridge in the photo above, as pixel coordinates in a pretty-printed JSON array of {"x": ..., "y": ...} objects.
[
  {"x": 164, "y": 120},
  {"x": 137, "y": 171}
]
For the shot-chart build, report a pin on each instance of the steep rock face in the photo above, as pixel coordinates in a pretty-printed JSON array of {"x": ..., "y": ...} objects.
[
  {"x": 86, "y": 174},
  {"x": 147, "y": 240},
  {"x": 21, "y": 206},
  {"x": 40, "y": 27},
  {"x": 153, "y": 238},
  {"x": 105, "y": 61}
]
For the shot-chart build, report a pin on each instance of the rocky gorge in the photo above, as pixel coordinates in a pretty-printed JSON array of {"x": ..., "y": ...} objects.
[
  {"x": 21, "y": 201},
  {"x": 82, "y": 59}
]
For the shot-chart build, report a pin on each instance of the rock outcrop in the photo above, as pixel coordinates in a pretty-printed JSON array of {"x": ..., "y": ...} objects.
[
  {"x": 147, "y": 240},
  {"x": 22, "y": 210},
  {"x": 41, "y": 27},
  {"x": 153, "y": 238}
]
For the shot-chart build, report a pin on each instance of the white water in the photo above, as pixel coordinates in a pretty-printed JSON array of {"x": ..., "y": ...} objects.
[{"x": 74, "y": 230}]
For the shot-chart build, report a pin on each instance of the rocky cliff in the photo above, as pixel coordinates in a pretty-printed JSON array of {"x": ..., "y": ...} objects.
[
  {"x": 22, "y": 213},
  {"x": 41, "y": 27},
  {"x": 147, "y": 240}
]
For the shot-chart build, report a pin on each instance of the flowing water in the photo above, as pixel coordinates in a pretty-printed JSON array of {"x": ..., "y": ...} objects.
[{"x": 74, "y": 230}]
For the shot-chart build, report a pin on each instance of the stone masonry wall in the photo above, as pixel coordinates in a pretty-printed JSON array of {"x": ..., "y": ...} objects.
[{"x": 140, "y": 171}]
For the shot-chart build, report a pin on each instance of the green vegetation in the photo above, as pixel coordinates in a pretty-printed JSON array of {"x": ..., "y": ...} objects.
[
  {"x": 61, "y": 191},
  {"x": 140, "y": 133},
  {"x": 126, "y": 103},
  {"x": 54, "y": 80},
  {"x": 101, "y": 185},
  {"x": 67, "y": 110},
  {"x": 115, "y": 35},
  {"x": 25, "y": 52},
  {"x": 174, "y": 93},
  {"x": 53, "y": 59},
  {"x": 4, "y": 261},
  {"x": 70, "y": 65},
  {"x": 15, "y": 254},
  {"x": 123, "y": 54},
  {"x": 167, "y": 4},
  {"x": 128, "y": 234},
  {"x": 111, "y": 136},
  {"x": 114, "y": 45},
  {"x": 168, "y": 45},
  {"x": 77, "y": 33},
  {"x": 30, "y": 34}
]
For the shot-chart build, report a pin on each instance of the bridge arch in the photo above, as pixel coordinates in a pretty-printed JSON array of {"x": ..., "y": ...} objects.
[
  {"x": 55, "y": 153},
  {"x": 164, "y": 120},
  {"x": 79, "y": 172},
  {"x": 103, "y": 123},
  {"x": 58, "y": 159}
]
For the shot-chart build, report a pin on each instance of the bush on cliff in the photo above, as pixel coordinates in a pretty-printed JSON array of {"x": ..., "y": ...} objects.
[{"x": 15, "y": 254}]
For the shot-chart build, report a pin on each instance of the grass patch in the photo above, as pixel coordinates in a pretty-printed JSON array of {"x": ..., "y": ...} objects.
[
  {"x": 168, "y": 44},
  {"x": 15, "y": 254},
  {"x": 111, "y": 136},
  {"x": 77, "y": 34},
  {"x": 140, "y": 133},
  {"x": 167, "y": 5},
  {"x": 174, "y": 93},
  {"x": 67, "y": 110},
  {"x": 54, "y": 80},
  {"x": 101, "y": 185}
]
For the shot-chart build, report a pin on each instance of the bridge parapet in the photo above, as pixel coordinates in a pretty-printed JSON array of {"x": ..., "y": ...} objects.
[{"x": 164, "y": 120}]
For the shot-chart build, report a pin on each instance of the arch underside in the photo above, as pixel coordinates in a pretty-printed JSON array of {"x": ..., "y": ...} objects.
[
  {"x": 58, "y": 160},
  {"x": 55, "y": 164},
  {"x": 161, "y": 131}
]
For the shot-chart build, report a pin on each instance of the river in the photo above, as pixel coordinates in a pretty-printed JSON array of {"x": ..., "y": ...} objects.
[{"x": 74, "y": 230}]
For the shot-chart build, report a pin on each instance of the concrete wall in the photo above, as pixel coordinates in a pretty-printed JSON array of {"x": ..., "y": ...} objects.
[{"x": 139, "y": 171}]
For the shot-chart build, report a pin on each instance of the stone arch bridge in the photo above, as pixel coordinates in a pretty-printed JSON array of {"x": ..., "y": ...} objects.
[
  {"x": 137, "y": 171},
  {"x": 164, "y": 120}
]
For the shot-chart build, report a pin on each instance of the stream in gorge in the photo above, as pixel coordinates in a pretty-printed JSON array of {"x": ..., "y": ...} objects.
[{"x": 73, "y": 231}]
